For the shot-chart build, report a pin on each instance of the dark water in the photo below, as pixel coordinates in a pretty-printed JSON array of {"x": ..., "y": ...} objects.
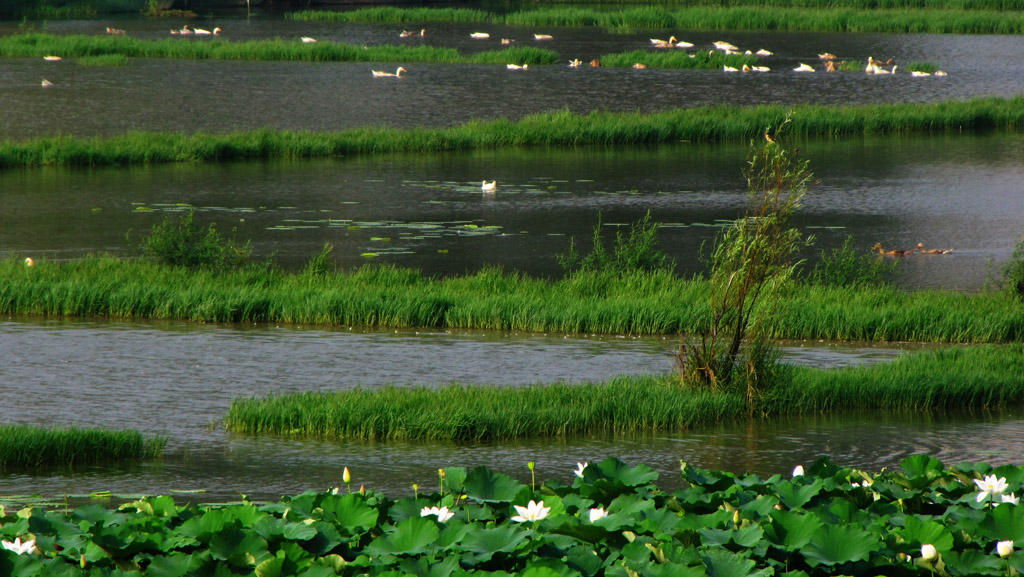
[
  {"x": 426, "y": 211},
  {"x": 178, "y": 380}
]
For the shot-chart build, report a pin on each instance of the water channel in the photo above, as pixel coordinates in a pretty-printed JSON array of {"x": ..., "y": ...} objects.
[
  {"x": 426, "y": 211},
  {"x": 178, "y": 379}
]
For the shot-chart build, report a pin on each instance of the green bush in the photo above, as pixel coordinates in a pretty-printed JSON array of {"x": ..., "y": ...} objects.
[
  {"x": 183, "y": 242},
  {"x": 637, "y": 251},
  {"x": 845, "y": 267}
]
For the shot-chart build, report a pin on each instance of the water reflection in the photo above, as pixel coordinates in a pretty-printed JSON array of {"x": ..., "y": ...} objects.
[{"x": 178, "y": 379}]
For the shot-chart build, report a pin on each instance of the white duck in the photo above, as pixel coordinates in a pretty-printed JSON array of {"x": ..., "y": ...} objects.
[
  {"x": 308, "y": 40},
  {"x": 543, "y": 37},
  {"x": 684, "y": 44},
  {"x": 517, "y": 67},
  {"x": 803, "y": 68},
  {"x": 725, "y": 46},
  {"x": 489, "y": 186},
  {"x": 479, "y": 35},
  {"x": 663, "y": 43},
  {"x": 396, "y": 74}
]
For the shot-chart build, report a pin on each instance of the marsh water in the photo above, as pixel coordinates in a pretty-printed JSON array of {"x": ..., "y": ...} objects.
[
  {"x": 948, "y": 191},
  {"x": 178, "y": 379}
]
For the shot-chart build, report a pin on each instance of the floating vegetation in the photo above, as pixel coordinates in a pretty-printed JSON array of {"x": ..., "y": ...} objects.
[
  {"x": 611, "y": 519},
  {"x": 634, "y": 303},
  {"x": 559, "y": 128},
  {"x": 24, "y": 446},
  {"x": 897, "y": 16},
  {"x": 703, "y": 60},
  {"x": 38, "y": 45}
]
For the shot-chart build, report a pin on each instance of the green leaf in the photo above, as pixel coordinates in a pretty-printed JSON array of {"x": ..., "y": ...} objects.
[
  {"x": 421, "y": 567},
  {"x": 837, "y": 544},
  {"x": 349, "y": 511},
  {"x": 410, "y": 537},
  {"x": 796, "y": 496},
  {"x": 921, "y": 465},
  {"x": 919, "y": 532},
  {"x": 455, "y": 479},
  {"x": 618, "y": 472},
  {"x": 272, "y": 567},
  {"x": 489, "y": 541},
  {"x": 1004, "y": 522},
  {"x": 973, "y": 562},
  {"x": 722, "y": 563},
  {"x": 175, "y": 564},
  {"x": 483, "y": 484},
  {"x": 239, "y": 547},
  {"x": 791, "y": 530}
]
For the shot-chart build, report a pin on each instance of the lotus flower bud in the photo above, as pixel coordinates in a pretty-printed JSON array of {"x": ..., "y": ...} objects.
[
  {"x": 1004, "y": 548},
  {"x": 346, "y": 476},
  {"x": 928, "y": 552},
  {"x": 798, "y": 471}
]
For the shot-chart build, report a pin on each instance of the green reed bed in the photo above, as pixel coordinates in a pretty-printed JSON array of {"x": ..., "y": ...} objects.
[
  {"x": 702, "y": 60},
  {"x": 980, "y": 19},
  {"x": 965, "y": 378},
  {"x": 559, "y": 128},
  {"x": 28, "y": 446},
  {"x": 78, "y": 46},
  {"x": 583, "y": 303}
]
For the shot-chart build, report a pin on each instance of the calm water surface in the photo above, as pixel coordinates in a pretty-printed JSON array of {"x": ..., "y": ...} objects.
[
  {"x": 178, "y": 380},
  {"x": 426, "y": 211}
]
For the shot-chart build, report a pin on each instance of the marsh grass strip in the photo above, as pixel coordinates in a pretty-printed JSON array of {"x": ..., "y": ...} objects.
[
  {"x": 583, "y": 303},
  {"x": 23, "y": 446},
  {"x": 560, "y": 128},
  {"x": 983, "y": 17},
  {"x": 961, "y": 378}
]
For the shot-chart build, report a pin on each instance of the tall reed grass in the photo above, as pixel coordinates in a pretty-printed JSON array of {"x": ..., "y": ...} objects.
[
  {"x": 27, "y": 446},
  {"x": 640, "y": 303},
  {"x": 79, "y": 46},
  {"x": 963, "y": 378},
  {"x": 559, "y": 128},
  {"x": 892, "y": 16},
  {"x": 706, "y": 60}
]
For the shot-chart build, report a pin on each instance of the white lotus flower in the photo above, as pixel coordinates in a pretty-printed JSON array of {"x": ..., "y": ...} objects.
[
  {"x": 443, "y": 514},
  {"x": 798, "y": 471},
  {"x": 1011, "y": 499},
  {"x": 580, "y": 467},
  {"x": 531, "y": 512},
  {"x": 928, "y": 552},
  {"x": 990, "y": 486},
  {"x": 18, "y": 547},
  {"x": 1004, "y": 548},
  {"x": 598, "y": 513}
]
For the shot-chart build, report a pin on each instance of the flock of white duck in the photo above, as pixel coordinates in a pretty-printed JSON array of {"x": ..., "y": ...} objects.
[{"x": 830, "y": 64}]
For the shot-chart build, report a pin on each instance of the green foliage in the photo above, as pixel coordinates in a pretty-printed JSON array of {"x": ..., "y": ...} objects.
[
  {"x": 655, "y": 303},
  {"x": 560, "y": 128},
  {"x": 1013, "y": 272},
  {"x": 636, "y": 252},
  {"x": 845, "y": 267},
  {"x": 929, "y": 67},
  {"x": 321, "y": 265},
  {"x": 852, "y": 522},
  {"x": 751, "y": 262},
  {"x": 27, "y": 446},
  {"x": 700, "y": 60},
  {"x": 957, "y": 378},
  {"x": 183, "y": 242}
]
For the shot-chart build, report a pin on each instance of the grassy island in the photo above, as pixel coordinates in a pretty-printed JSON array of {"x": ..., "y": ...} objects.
[
  {"x": 24, "y": 446},
  {"x": 636, "y": 303},
  {"x": 560, "y": 128},
  {"x": 957, "y": 378},
  {"x": 610, "y": 520}
]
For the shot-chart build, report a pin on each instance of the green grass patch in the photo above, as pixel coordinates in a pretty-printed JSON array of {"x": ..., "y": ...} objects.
[
  {"x": 702, "y": 60},
  {"x": 559, "y": 128},
  {"x": 900, "y": 17},
  {"x": 72, "y": 46},
  {"x": 961, "y": 378},
  {"x": 24, "y": 446},
  {"x": 641, "y": 303},
  {"x": 929, "y": 67}
]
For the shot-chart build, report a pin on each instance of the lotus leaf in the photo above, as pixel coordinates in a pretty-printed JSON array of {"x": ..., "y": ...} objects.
[
  {"x": 721, "y": 563},
  {"x": 484, "y": 485},
  {"x": 410, "y": 537},
  {"x": 838, "y": 544}
]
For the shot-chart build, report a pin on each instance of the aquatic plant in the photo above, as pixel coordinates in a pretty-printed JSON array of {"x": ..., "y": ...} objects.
[
  {"x": 1013, "y": 272},
  {"x": 218, "y": 48},
  {"x": 700, "y": 60},
  {"x": 558, "y": 128},
  {"x": 180, "y": 241},
  {"x": 24, "y": 446},
  {"x": 384, "y": 296},
  {"x": 637, "y": 251},
  {"x": 957, "y": 378},
  {"x": 847, "y": 267},
  {"x": 832, "y": 520}
]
